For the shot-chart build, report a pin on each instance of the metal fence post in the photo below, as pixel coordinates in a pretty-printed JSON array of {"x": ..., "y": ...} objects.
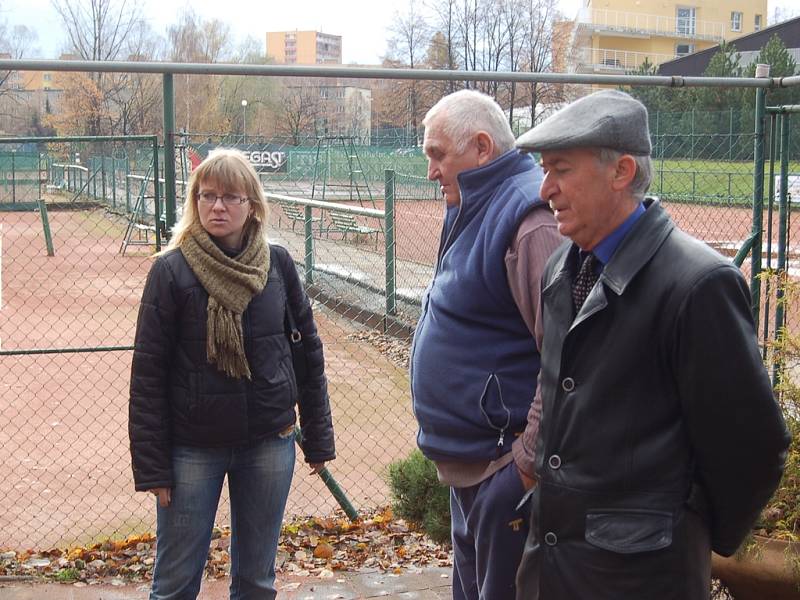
[
  {"x": 783, "y": 211},
  {"x": 308, "y": 227},
  {"x": 113, "y": 182},
  {"x": 156, "y": 198},
  {"x": 103, "y": 189},
  {"x": 391, "y": 294},
  {"x": 48, "y": 238},
  {"x": 730, "y": 138},
  {"x": 758, "y": 194},
  {"x": 128, "y": 185},
  {"x": 169, "y": 151},
  {"x": 13, "y": 177}
]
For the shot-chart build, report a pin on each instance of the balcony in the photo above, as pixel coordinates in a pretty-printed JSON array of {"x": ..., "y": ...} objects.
[
  {"x": 603, "y": 60},
  {"x": 631, "y": 24}
]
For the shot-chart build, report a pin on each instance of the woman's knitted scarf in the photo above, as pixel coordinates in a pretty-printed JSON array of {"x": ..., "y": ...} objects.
[{"x": 231, "y": 283}]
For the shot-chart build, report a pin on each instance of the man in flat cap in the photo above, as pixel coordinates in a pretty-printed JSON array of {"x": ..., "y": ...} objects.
[
  {"x": 660, "y": 438},
  {"x": 474, "y": 360}
]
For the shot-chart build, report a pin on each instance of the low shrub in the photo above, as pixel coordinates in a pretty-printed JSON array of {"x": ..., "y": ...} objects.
[{"x": 418, "y": 497}]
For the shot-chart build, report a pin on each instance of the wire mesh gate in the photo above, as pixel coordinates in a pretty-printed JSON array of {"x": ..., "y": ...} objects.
[{"x": 67, "y": 476}]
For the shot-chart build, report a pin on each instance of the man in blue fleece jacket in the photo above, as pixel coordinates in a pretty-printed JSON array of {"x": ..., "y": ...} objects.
[{"x": 474, "y": 361}]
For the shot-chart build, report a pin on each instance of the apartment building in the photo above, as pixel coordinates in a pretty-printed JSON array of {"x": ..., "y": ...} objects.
[
  {"x": 614, "y": 36},
  {"x": 304, "y": 48},
  {"x": 748, "y": 47},
  {"x": 23, "y": 93},
  {"x": 346, "y": 110}
]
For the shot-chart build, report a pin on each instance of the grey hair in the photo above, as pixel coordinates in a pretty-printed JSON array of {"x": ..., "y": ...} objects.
[
  {"x": 464, "y": 113},
  {"x": 644, "y": 170}
]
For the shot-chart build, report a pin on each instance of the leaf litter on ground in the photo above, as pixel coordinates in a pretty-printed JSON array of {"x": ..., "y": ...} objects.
[{"x": 309, "y": 546}]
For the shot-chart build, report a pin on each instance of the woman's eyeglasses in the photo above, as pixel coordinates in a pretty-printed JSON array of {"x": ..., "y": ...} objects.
[{"x": 210, "y": 198}]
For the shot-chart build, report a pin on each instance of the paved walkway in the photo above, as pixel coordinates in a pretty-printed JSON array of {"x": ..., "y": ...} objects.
[
  {"x": 431, "y": 583},
  {"x": 357, "y": 273}
]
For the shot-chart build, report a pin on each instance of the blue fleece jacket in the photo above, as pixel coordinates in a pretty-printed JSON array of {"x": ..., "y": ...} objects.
[{"x": 474, "y": 363}]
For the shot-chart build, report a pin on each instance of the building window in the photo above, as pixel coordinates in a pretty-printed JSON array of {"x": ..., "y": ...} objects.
[
  {"x": 736, "y": 21},
  {"x": 757, "y": 24},
  {"x": 686, "y": 20},
  {"x": 684, "y": 49}
]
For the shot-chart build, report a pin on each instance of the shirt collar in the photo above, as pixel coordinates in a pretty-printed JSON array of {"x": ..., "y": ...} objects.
[{"x": 606, "y": 248}]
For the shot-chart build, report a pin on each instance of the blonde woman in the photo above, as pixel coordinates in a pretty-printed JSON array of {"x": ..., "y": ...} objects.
[{"x": 213, "y": 391}]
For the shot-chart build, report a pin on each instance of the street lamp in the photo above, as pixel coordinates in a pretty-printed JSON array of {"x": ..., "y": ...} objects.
[{"x": 244, "y": 120}]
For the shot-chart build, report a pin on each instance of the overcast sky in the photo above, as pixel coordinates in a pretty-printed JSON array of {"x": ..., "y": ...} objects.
[{"x": 361, "y": 23}]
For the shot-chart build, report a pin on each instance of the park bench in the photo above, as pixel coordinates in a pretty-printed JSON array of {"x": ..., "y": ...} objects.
[
  {"x": 346, "y": 223},
  {"x": 296, "y": 213}
]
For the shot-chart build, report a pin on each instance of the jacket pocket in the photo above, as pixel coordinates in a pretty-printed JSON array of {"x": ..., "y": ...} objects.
[
  {"x": 628, "y": 531},
  {"x": 494, "y": 410}
]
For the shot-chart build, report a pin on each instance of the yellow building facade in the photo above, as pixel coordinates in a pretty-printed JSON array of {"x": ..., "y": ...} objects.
[
  {"x": 614, "y": 36},
  {"x": 304, "y": 48}
]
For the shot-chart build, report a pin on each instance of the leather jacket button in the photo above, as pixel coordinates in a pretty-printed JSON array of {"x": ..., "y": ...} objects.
[
  {"x": 568, "y": 384},
  {"x": 550, "y": 538},
  {"x": 554, "y": 462}
]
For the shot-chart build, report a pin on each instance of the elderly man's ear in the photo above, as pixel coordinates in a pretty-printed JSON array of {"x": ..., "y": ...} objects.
[
  {"x": 624, "y": 172},
  {"x": 485, "y": 145}
]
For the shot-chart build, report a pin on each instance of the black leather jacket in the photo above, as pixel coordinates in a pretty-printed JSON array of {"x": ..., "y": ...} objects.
[
  {"x": 660, "y": 436},
  {"x": 178, "y": 398}
]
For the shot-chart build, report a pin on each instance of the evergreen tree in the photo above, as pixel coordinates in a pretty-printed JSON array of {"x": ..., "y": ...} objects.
[
  {"x": 655, "y": 98},
  {"x": 725, "y": 63},
  {"x": 782, "y": 64}
]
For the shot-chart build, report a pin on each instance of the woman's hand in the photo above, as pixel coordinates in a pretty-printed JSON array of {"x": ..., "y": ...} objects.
[
  {"x": 164, "y": 495},
  {"x": 316, "y": 468}
]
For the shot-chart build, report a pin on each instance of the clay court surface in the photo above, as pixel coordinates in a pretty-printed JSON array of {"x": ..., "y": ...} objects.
[{"x": 65, "y": 474}]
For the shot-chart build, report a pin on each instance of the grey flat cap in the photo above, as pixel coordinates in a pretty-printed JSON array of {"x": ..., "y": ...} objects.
[{"x": 605, "y": 119}]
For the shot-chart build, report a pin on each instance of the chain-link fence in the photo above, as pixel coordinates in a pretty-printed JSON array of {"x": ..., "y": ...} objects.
[{"x": 363, "y": 225}]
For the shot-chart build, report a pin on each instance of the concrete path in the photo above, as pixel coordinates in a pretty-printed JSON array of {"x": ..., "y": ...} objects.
[{"x": 430, "y": 583}]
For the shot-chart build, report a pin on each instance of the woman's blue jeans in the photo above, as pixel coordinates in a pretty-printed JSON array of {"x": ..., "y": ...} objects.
[{"x": 259, "y": 477}]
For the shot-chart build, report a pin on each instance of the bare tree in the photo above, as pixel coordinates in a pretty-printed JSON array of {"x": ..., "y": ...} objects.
[
  {"x": 445, "y": 40},
  {"x": 137, "y": 98},
  {"x": 98, "y": 29},
  {"x": 539, "y": 38},
  {"x": 408, "y": 43},
  {"x": 102, "y": 30},
  {"x": 512, "y": 14},
  {"x": 17, "y": 107},
  {"x": 193, "y": 39},
  {"x": 19, "y": 41},
  {"x": 781, "y": 14},
  {"x": 494, "y": 45},
  {"x": 467, "y": 21},
  {"x": 297, "y": 111},
  {"x": 256, "y": 91}
]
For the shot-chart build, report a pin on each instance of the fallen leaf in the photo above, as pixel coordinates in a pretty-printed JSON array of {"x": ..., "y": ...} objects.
[{"x": 323, "y": 550}]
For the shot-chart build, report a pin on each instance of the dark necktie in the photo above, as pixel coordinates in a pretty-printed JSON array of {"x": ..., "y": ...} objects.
[{"x": 584, "y": 281}]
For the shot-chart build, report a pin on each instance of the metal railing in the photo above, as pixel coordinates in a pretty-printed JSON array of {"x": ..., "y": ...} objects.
[
  {"x": 601, "y": 19},
  {"x": 608, "y": 60}
]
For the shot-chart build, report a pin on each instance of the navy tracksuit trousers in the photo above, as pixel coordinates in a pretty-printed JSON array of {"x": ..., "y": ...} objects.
[{"x": 489, "y": 535}]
